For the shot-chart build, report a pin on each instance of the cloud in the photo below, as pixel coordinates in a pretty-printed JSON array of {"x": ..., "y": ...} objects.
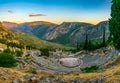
[
  {"x": 10, "y": 11},
  {"x": 32, "y": 15}
]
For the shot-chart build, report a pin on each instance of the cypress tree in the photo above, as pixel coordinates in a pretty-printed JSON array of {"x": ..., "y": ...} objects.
[
  {"x": 86, "y": 42},
  {"x": 103, "y": 42},
  {"x": 114, "y": 23},
  {"x": 90, "y": 45},
  {"x": 78, "y": 46}
]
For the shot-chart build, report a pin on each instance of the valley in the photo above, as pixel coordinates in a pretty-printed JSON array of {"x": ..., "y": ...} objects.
[
  {"x": 59, "y": 41},
  {"x": 40, "y": 61},
  {"x": 67, "y": 33}
]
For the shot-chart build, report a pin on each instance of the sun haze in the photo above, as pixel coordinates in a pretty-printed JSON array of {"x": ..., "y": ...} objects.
[{"x": 56, "y": 11}]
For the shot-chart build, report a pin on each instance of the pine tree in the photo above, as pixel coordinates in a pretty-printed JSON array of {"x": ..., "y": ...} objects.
[
  {"x": 89, "y": 45},
  {"x": 103, "y": 42},
  {"x": 86, "y": 42},
  {"x": 114, "y": 23},
  {"x": 78, "y": 46}
]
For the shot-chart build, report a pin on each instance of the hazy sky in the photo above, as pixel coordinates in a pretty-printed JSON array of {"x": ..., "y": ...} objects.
[{"x": 56, "y": 11}]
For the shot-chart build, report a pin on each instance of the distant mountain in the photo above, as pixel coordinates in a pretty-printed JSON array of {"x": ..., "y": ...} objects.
[
  {"x": 96, "y": 32},
  {"x": 67, "y": 33},
  {"x": 25, "y": 39},
  {"x": 37, "y": 28},
  {"x": 9, "y": 25},
  {"x": 35, "y": 23},
  {"x": 35, "y": 42}
]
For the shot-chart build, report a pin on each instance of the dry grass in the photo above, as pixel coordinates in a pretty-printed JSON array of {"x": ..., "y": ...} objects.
[
  {"x": 112, "y": 75},
  {"x": 10, "y": 74},
  {"x": 3, "y": 46}
]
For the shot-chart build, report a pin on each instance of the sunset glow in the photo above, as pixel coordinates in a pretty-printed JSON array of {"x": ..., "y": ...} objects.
[{"x": 92, "y": 11}]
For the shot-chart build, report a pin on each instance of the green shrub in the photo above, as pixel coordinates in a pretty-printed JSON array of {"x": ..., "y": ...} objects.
[
  {"x": 8, "y": 51},
  {"x": 27, "y": 55},
  {"x": 3, "y": 41},
  {"x": 44, "y": 52},
  {"x": 32, "y": 70},
  {"x": 12, "y": 44},
  {"x": 7, "y": 60},
  {"x": 91, "y": 69},
  {"x": 18, "y": 53}
]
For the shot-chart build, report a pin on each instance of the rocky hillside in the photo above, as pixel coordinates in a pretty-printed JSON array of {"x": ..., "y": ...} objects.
[
  {"x": 4, "y": 33},
  {"x": 7, "y": 36},
  {"x": 110, "y": 75},
  {"x": 108, "y": 72},
  {"x": 48, "y": 69},
  {"x": 35, "y": 42},
  {"x": 67, "y": 33},
  {"x": 37, "y": 28},
  {"x": 70, "y": 33},
  {"x": 2, "y": 29}
]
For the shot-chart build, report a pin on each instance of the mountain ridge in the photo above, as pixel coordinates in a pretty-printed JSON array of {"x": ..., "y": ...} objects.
[
  {"x": 66, "y": 33},
  {"x": 9, "y": 25},
  {"x": 25, "y": 39}
]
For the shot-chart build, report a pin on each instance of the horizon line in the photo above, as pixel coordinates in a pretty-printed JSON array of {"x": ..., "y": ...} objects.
[{"x": 55, "y": 23}]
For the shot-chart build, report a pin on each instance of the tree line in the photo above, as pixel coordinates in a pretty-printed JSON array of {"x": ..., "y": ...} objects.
[{"x": 89, "y": 45}]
